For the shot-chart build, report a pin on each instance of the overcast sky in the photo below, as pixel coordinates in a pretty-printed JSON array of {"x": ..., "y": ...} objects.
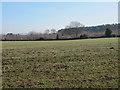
[{"x": 22, "y": 17}]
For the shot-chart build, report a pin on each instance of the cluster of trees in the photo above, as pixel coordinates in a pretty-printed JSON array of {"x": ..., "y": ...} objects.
[
  {"x": 30, "y": 36},
  {"x": 72, "y": 31},
  {"x": 92, "y": 31}
]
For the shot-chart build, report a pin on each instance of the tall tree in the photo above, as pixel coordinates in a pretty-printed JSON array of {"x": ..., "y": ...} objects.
[
  {"x": 57, "y": 37},
  {"x": 76, "y": 28},
  {"x": 47, "y": 31},
  {"x": 74, "y": 24},
  {"x": 53, "y": 31}
]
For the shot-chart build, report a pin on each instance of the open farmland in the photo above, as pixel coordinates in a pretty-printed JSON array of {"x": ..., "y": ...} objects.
[{"x": 87, "y": 63}]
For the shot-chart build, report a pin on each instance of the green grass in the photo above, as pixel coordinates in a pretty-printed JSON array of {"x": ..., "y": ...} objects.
[{"x": 60, "y": 64}]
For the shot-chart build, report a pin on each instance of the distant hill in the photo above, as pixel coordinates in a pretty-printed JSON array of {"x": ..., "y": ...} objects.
[
  {"x": 102, "y": 28},
  {"x": 91, "y": 31}
]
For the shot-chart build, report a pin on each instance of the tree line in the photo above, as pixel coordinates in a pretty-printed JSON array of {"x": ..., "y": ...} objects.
[{"x": 74, "y": 30}]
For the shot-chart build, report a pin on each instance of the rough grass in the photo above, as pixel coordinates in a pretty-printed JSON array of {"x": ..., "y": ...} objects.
[{"x": 90, "y": 63}]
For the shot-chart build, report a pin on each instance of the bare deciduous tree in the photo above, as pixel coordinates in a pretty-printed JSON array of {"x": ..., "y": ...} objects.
[
  {"x": 47, "y": 31},
  {"x": 76, "y": 28},
  {"x": 53, "y": 31},
  {"x": 32, "y": 33},
  {"x": 74, "y": 24}
]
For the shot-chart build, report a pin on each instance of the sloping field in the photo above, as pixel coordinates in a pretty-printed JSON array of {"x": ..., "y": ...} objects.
[{"x": 88, "y": 63}]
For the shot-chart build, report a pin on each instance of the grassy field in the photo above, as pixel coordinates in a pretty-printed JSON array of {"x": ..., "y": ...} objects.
[{"x": 87, "y": 63}]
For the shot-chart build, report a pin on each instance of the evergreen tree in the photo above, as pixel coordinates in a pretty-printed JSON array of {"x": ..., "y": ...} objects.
[
  {"x": 57, "y": 37},
  {"x": 108, "y": 32}
]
